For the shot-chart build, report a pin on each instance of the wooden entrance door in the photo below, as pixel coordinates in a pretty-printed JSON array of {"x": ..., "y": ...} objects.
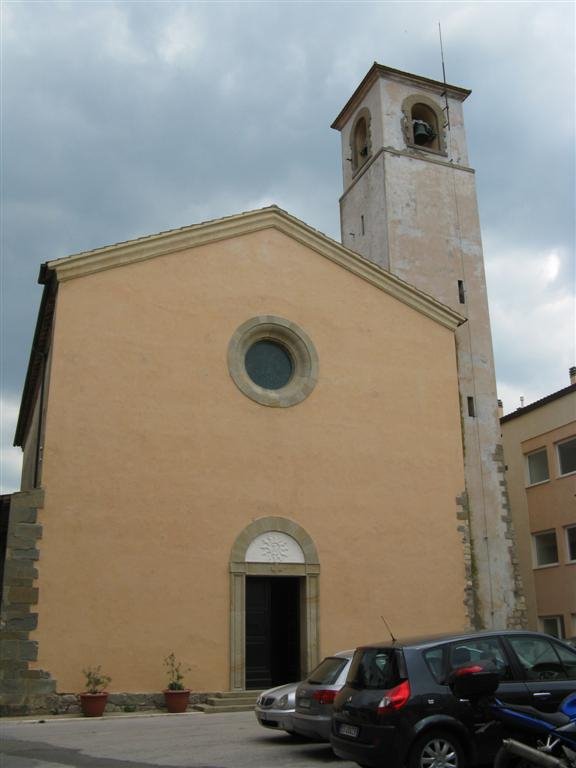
[{"x": 272, "y": 631}]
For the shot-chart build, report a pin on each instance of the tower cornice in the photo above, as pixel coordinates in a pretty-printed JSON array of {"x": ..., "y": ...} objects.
[
  {"x": 412, "y": 155},
  {"x": 378, "y": 70}
]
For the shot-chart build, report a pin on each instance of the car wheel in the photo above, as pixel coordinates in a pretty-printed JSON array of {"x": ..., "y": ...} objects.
[{"x": 437, "y": 749}]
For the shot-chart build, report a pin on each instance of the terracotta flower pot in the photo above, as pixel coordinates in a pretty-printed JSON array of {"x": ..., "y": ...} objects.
[
  {"x": 93, "y": 704},
  {"x": 176, "y": 701}
]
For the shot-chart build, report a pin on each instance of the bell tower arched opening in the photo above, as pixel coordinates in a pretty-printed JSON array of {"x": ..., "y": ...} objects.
[
  {"x": 423, "y": 123},
  {"x": 424, "y": 126},
  {"x": 360, "y": 140}
]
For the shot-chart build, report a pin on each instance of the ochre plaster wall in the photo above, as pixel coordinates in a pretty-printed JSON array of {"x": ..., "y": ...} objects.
[{"x": 154, "y": 461}]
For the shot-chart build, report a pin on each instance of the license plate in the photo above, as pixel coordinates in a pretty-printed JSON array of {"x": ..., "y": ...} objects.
[{"x": 348, "y": 730}]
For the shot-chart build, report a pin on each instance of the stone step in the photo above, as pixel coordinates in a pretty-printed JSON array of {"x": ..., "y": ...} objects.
[
  {"x": 232, "y": 701},
  {"x": 229, "y": 701},
  {"x": 237, "y": 694},
  {"x": 211, "y": 709}
]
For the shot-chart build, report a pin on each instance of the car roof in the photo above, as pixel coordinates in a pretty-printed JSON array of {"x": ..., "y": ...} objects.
[{"x": 429, "y": 640}]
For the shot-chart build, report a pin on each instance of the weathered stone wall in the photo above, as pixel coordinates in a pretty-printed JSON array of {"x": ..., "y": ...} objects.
[
  {"x": 22, "y": 689},
  {"x": 463, "y": 517},
  {"x": 69, "y": 704},
  {"x": 518, "y": 617}
]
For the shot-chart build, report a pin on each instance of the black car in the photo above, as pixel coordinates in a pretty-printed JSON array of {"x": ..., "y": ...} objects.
[{"x": 397, "y": 708}]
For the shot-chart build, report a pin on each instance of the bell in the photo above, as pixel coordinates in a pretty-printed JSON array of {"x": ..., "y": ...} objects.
[{"x": 423, "y": 133}]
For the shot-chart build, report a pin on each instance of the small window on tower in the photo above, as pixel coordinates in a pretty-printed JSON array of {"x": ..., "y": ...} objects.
[{"x": 461, "y": 294}]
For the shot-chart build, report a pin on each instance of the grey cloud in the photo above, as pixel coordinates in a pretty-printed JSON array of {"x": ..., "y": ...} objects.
[{"x": 123, "y": 119}]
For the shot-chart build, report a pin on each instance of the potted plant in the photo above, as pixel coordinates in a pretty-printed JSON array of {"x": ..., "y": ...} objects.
[
  {"x": 176, "y": 696},
  {"x": 93, "y": 700}
]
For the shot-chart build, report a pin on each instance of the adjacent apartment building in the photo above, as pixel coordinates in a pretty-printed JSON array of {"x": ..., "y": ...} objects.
[{"x": 540, "y": 452}]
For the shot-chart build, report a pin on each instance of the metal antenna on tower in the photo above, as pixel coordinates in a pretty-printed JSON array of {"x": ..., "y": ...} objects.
[{"x": 445, "y": 109}]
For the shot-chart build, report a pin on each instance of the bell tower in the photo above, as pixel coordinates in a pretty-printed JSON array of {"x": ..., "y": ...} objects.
[{"x": 409, "y": 205}]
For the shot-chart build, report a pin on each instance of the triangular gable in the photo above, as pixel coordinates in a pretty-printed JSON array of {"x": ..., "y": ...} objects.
[
  {"x": 163, "y": 243},
  {"x": 121, "y": 254}
]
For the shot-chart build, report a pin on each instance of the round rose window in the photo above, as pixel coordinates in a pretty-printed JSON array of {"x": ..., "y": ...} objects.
[
  {"x": 273, "y": 361},
  {"x": 269, "y": 364}
]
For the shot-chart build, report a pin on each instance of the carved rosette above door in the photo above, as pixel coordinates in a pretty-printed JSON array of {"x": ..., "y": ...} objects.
[{"x": 274, "y": 547}]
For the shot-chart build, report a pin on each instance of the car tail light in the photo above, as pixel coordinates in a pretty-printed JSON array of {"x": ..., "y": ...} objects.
[
  {"x": 324, "y": 697},
  {"x": 395, "y": 699}
]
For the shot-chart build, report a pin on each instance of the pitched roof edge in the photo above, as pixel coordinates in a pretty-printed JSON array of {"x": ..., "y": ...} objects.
[
  {"x": 89, "y": 262},
  {"x": 538, "y": 403},
  {"x": 373, "y": 274},
  {"x": 40, "y": 346},
  {"x": 150, "y": 246}
]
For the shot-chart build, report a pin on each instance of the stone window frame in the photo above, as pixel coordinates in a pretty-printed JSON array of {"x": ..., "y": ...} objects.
[
  {"x": 407, "y": 106},
  {"x": 297, "y": 343},
  {"x": 309, "y": 571},
  {"x": 363, "y": 114}
]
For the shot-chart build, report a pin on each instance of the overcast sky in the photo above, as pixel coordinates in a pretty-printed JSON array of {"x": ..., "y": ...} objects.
[{"x": 121, "y": 119}]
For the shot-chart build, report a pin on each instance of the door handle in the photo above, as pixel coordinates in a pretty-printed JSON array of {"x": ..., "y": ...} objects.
[{"x": 542, "y": 695}]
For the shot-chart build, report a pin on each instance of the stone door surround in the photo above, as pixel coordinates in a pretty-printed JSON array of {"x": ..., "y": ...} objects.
[{"x": 274, "y": 565}]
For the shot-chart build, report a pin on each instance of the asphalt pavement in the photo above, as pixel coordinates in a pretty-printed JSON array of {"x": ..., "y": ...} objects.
[{"x": 190, "y": 740}]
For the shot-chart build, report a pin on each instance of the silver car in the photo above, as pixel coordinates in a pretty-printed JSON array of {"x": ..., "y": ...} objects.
[
  {"x": 316, "y": 694},
  {"x": 275, "y": 707}
]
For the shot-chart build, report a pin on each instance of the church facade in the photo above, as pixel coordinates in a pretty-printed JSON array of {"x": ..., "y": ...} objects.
[{"x": 243, "y": 443}]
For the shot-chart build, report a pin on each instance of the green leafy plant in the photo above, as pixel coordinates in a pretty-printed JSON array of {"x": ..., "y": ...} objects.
[
  {"x": 175, "y": 673},
  {"x": 96, "y": 681}
]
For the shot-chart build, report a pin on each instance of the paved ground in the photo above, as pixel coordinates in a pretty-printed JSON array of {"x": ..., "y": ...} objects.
[{"x": 174, "y": 741}]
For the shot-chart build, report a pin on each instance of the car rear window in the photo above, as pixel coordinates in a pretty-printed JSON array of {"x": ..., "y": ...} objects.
[
  {"x": 435, "y": 659},
  {"x": 326, "y": 673},
  {"x": 374, "y": 668}
]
